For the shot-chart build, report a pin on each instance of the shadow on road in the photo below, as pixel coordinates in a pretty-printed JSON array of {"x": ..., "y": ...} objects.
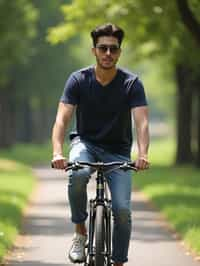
[
  {"x": 147, "y": 224},
  {"x": 34, "y": 263},
  {"x": 46, "y": 225},
  {"x": 144, "y": 227}
]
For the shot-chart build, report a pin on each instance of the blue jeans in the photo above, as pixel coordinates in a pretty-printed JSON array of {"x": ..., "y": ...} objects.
[{"x": 119, "y": 182}]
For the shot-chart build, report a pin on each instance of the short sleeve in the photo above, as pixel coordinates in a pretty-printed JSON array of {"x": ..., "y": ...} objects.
[
  {"x": 71, "y": 91},
  {"x": 137, "y": 95}
]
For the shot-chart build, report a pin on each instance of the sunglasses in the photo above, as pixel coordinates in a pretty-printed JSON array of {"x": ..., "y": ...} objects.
[{"x": 104, "y": 48}]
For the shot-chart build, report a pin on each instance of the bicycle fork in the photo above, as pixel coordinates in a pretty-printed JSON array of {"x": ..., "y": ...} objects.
[
  {"x": 90, "y": 247},
  {"x": 91, "y": 227}
]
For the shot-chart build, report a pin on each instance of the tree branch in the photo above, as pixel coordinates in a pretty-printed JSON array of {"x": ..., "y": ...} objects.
[{"x": 189, "y": 19}]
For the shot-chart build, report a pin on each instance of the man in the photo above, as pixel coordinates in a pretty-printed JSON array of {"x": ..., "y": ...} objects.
[{"x": 104, "y": 98}]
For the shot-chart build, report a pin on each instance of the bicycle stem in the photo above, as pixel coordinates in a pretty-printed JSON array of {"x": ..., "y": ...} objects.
[{"x": 100, "y": 187}]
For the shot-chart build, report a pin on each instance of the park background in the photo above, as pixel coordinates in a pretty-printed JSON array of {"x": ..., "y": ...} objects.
[{"x": 42, "y": 42}]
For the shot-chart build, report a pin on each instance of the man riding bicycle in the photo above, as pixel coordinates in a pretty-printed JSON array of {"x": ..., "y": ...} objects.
[{"x": 104, "y": 98}]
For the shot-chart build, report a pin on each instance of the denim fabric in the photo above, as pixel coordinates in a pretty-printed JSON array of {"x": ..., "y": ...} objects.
[{"x": 119, "y": 183}]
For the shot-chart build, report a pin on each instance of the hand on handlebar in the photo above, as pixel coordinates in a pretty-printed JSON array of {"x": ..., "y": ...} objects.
[
  {"x": 142, "y": 163},
  {"x": 59, "y": 162}
]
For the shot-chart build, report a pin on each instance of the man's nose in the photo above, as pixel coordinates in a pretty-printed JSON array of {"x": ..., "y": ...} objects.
[{"x": 108, "y": 51}]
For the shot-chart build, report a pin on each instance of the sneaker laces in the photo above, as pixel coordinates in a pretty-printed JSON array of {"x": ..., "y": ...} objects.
[{"x": 77, "y": 244}]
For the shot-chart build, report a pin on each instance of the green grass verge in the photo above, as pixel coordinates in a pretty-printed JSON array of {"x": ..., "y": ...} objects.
[
  {"x": 29, "y": 154},
  {"x": 174, "y": 190},
  {"x": 16, "y": 185}
]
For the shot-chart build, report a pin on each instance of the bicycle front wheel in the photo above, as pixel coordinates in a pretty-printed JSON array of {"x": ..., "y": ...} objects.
[{"x": 99, "y": 236}]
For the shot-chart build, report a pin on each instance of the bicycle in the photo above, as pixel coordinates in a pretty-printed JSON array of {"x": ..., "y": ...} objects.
[{"x": 98, "y": 249}]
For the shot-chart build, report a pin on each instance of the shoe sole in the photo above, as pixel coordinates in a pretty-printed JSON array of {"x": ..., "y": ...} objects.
[{"x": 76, "y": 261}]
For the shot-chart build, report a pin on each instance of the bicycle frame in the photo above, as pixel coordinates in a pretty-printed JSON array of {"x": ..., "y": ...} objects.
[{"x": 101, "y": 200}]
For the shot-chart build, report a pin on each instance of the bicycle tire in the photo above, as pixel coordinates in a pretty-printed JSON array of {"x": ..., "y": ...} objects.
[{"x": 99, "y": 236}]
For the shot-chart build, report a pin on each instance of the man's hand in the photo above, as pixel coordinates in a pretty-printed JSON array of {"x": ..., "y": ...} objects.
[
  {"x": 142, "y": 163},
  {"x": 59, "y": 162}
]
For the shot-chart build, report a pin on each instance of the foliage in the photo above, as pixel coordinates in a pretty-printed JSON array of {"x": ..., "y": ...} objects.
[
  {"x": 16, "y": 34},
  {"x": 152, "y": 26},
  {"x": 40, "y": 82},
  {"x": 157, "y": 76},
  {"x": 47, "y": 67}
]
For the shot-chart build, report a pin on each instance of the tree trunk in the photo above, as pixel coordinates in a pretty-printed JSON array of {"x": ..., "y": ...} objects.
[
  {"x": 188, "y": 18},
  {"x": 41, "y": 128},
  {"x": 198, "y": 131},
  {"x": 7, "y": 117},
  {"x": 184, "y": 116},
  {"x": 24, "y": 122}
]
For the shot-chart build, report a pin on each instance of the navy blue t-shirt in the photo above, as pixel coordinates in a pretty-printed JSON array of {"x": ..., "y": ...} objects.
[{"x": 103, "y": 114}]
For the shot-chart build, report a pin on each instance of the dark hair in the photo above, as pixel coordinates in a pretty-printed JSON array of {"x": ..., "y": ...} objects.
[{"x": 107, "y": 30}]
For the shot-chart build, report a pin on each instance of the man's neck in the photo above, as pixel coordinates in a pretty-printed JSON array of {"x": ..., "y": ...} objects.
[{"x": 104, "y": 76}]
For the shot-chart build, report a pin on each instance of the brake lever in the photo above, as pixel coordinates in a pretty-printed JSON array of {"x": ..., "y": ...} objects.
[
  {"x": 126, "y": 168},
  {"x": 129, "y": 166},
  {"x": 134, "y": 168},
  {"x": 73, "y": 166},
  {"x": 68, "y": 168}
]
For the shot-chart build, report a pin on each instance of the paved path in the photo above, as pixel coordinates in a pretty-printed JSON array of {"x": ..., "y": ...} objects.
[{"x": 47, "y": 230}]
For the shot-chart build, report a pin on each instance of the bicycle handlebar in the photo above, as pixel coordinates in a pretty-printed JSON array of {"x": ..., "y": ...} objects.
[{"x": 100, "y": 165}]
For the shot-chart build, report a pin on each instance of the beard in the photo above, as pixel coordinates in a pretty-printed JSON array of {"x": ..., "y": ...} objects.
[{"x": 106, "y": 65}]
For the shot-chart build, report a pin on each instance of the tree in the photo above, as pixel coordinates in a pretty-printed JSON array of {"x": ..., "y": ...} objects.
[
  {"x": 17, "y": 29},
  {"x": 192, "y": 23},
  {"x": 189, "y": 19},
  {"x": 41, "y": 80}
]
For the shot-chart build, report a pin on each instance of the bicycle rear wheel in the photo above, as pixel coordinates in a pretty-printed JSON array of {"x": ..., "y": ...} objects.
[{"x": 99, "y": 236}]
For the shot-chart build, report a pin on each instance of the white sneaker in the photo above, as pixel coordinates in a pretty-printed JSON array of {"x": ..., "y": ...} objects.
[{"x": 77, "y": 250}]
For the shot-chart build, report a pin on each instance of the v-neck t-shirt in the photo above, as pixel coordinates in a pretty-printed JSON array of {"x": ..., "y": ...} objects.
[{"x": 103, "y": 113}]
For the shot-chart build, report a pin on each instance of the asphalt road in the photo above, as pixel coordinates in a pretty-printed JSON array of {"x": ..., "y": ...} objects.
[{"x": 47, "y": 230}]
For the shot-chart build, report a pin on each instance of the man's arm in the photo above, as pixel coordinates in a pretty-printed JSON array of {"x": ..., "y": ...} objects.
[
  {"x": 140, "y": 115},
  {"x": 63, "y": 118}
]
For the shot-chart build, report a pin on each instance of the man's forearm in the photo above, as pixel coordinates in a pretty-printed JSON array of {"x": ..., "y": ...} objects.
[
  {"x": 58, "y": 137},
  {"x": 63, "y": 118},
  {"x": 142, "y": 132}
]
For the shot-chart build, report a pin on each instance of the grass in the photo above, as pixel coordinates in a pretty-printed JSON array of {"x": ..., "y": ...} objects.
[
  {"x": 16, "y": 185},
  {"x": 174, "y": 190},
  {"x": 29, "y": 154}
]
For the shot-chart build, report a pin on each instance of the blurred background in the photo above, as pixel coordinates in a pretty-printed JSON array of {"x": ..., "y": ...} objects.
[{"x": 42, "y": 42}]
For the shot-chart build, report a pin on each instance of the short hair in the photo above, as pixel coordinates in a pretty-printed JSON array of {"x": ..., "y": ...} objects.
[{"x": 108, "y": 29}]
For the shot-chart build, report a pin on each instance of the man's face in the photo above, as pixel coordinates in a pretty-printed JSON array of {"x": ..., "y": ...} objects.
[{"x": 107, "y": 52}]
